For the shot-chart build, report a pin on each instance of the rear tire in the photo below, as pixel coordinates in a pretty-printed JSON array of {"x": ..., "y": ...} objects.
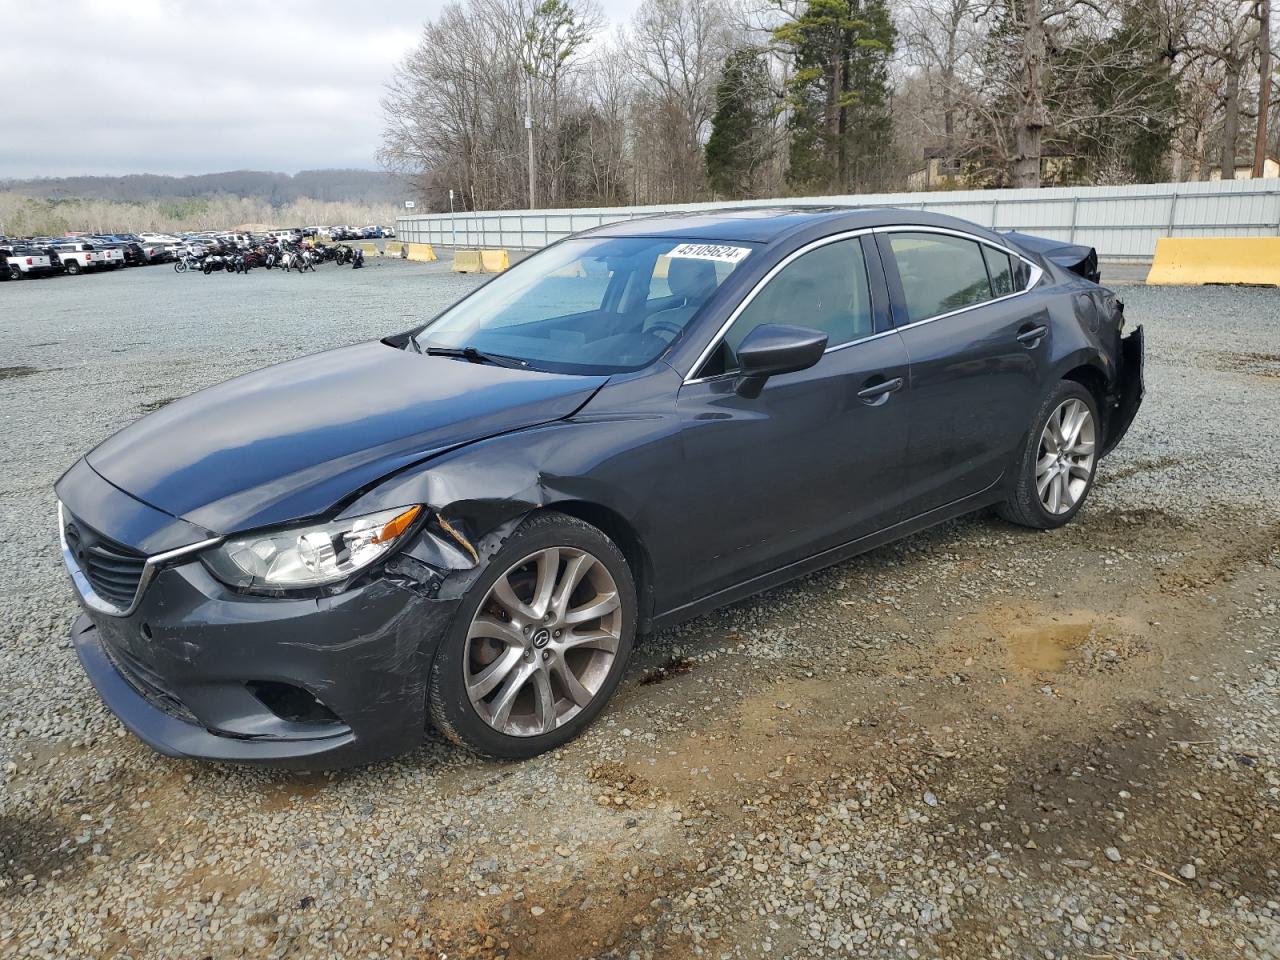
[
  {"x": 552, "y": 668},
  {"x": 72, "y": 268},
  {"x": 15, "y": 272},
  {"x": 1058, "y": 461}
]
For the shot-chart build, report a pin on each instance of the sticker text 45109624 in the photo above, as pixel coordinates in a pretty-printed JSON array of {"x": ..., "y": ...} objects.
[{"x": 710, "y": 251}]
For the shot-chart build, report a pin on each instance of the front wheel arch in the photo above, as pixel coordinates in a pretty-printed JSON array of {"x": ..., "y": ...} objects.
[{"x": 618, "y": 529}]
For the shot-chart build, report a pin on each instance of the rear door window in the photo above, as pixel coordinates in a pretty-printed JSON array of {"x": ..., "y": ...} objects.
[
  {"x": 1000, "y": 269},
  {"x": 940, "y": 273}
]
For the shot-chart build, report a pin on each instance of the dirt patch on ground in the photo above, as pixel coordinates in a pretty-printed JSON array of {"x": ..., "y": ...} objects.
[
  {"x": 151, "y": 406},
  {"x": 1145, "y": 465},
  {"x": 13, "y": 373},
  {"x": 33, "y": 851},
  {"x": 1265, "y": 366}
]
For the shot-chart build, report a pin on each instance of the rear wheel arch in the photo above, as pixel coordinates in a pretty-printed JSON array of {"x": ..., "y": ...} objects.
[{"x": 1093, "y": 379}]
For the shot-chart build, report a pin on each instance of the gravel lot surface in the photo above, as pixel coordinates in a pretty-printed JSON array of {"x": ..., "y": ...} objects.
[{"x": 980, "y": 742}]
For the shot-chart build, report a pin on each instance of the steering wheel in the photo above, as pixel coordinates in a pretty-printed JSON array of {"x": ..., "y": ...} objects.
[{"x": 668, "y": 330}]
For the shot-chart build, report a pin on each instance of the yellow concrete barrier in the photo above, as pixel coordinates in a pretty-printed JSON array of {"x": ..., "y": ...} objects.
[
  {"x": 1201, "y": 260},
  {"x": 393, "y": 248},
  {"x": 467, "y": 261},
  {"x": 494, "y": 261},
  {"x": 369, "y": 248},
  {"x": 422, "y": 252}
]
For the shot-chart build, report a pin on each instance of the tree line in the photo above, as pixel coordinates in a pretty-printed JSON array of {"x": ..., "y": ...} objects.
[
  {"x": 276, "y": 189},
  {"x": 534, "y": 103},
  {"x": 24, "y": 216}
]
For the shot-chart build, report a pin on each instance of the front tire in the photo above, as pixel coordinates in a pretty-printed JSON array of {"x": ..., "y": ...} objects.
[
  {"x": 538, "y": 644},
  {"x": 1059, "y": 460}
]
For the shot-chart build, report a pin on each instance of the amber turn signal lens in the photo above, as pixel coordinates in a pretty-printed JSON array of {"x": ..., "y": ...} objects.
[{"x": 397, "y": 526}]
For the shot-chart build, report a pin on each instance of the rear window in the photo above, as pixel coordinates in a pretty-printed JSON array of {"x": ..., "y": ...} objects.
[
  {"x": 940, "y": 273},
  {"x": 1000, "y": 269}
]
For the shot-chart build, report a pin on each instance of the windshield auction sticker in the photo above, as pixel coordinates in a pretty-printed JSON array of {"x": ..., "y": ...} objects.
[{"x": 710, "y": 251}]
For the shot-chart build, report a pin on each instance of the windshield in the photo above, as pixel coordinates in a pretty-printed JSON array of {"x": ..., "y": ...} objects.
[{"x": 592, "y": 305}]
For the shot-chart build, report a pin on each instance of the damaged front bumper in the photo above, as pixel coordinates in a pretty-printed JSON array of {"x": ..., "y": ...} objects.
[{"x": 199, "y": 671}]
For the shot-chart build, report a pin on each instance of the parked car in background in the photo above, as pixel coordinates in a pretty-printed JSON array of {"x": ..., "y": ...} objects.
[
  {"x": 468, "y": 523},
  {"x": 134, "y": 255},
  {"x": 19, "y": 261},
  {"x": 50, "y": 251},
  {"x": 157, "y": 252},
  {"x": 78, "y": 256},
  {"x": 121, "y": 254}
]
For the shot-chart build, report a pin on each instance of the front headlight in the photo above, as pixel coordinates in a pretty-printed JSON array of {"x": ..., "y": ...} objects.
[{"x": 313, "y": 556}]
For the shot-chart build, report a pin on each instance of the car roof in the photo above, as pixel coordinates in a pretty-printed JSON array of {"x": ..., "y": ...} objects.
[{"x": 765, "y": 224}]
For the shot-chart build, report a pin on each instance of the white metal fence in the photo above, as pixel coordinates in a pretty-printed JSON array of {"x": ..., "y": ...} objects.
[{"x": 1122, "y": 223}]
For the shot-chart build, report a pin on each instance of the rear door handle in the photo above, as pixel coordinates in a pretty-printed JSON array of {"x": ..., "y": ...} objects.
[
  {"x": 1032, "y": 335},
  {"x": 878, "y": 393}
]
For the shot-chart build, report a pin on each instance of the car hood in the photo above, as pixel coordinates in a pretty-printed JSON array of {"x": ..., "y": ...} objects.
[{"x": 293, "y": 440}]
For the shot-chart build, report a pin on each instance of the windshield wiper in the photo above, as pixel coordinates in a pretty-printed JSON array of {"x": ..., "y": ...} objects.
[{"x": 475, "y": 356}]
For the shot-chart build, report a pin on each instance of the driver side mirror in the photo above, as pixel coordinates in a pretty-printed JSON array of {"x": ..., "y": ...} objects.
[{"x": 774, "y": 348}]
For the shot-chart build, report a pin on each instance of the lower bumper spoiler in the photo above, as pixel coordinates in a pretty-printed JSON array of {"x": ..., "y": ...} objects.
[{"x": 1131, "y": 388}]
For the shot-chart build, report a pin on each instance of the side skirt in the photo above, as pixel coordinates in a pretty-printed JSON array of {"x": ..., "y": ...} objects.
[{"x": 749, "y": 588}]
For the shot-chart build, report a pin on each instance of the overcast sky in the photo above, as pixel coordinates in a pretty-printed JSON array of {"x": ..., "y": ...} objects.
[{"x": 178, "y": 87}]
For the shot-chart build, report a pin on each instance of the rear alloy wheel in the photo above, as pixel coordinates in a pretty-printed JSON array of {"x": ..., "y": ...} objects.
[
  {"x": 1064, "y": 463},
  {"x": 539, "y": 644},
  {"x": 15, "y": 272},
  {"x": 72, "y": 268},
  {"x": 1059, "y": 461}
]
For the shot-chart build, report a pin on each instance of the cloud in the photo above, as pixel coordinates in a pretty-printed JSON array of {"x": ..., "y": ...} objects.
[
  {"x": 163, "y": 86},
  {"x": 179, "y": 87}
]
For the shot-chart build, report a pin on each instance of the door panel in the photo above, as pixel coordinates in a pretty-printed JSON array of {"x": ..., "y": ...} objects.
[
  {"x": 807, "y": 465},
  {"x": 976, "y": 377}
]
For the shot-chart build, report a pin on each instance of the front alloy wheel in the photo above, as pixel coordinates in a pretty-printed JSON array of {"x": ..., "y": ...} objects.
[
  {"x": 543, "y": 642},
  {"x": 539, "y": 642}
]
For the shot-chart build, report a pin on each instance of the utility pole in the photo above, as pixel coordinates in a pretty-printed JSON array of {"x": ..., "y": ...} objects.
[
  {"x": 528, "y": 129},
  {"x": 1264, "y": 87}
]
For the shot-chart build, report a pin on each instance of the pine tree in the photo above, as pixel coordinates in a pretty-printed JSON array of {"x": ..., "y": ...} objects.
[
  {"x": 738, "y": 145},
  {"x": 1131, "y": 101},
  {"x": 841, "y": 133}
]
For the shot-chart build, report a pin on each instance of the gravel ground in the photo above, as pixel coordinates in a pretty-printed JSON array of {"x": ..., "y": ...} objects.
[{"x": 980, "y": 742}]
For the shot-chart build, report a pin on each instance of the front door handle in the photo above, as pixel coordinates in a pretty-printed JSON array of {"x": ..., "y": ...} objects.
[
  {"x": 878, "y": 392},
  {"x": 1031, "y": 336}
]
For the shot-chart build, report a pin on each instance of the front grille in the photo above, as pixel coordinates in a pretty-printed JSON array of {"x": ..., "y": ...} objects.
[{"x": 114, "y": 571}]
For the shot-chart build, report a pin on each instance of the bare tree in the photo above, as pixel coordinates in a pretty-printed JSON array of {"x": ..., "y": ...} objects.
[
  {"x": 1264, "y": 86},
  {"x": 677, "y": 47},
  {"x": 1224, "y": 33},
  {"x": 940, "y": 39}
]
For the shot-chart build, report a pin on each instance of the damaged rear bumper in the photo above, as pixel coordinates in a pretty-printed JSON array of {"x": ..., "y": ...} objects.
[
  {"x": 1130, "y": 388},
  {"x": 202, "y": 672}
]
